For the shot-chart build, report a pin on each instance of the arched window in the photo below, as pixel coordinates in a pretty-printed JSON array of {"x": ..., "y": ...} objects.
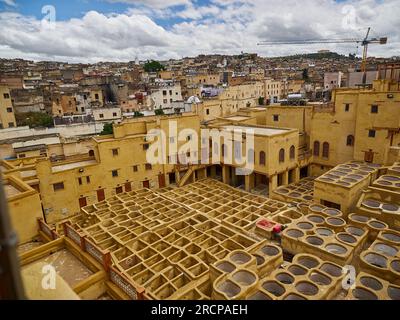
[
  {"x": 316, "y": 148},
  {"x": 250, "y": 156},
  {"x": 325, "y": 150},
  {"x": 262, "y": 158},
  {"x": 350, "y": 140},
  {"x": 292, "y": 153},
  {"x": 91, "y": 153},
  {"x": 282, "y": 155}
]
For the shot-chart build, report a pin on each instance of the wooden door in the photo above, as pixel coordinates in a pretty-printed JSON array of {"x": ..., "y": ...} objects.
[
  {"x": 128, "y": 187},
  {"x": 100, "y": 195},
  {"x": 161, "y": 181},
  {"x": 369, "y": 156},
  {"x": 82, "y": 202},
  {"x": 146, "y": 184}
]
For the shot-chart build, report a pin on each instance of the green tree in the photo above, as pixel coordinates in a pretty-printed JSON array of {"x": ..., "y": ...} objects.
[
  {"x": 34, "y": 119},
  {"x": 159, "y": 112},
  {"x": 107, "y": 129},
  {"x": 261, "y": 101},
  {"x": 153, "y": 66},
  {"x": 137, "y": 114}
]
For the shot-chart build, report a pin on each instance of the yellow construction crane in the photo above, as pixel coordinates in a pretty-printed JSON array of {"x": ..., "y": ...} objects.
[{"x": 364, "y": 42}]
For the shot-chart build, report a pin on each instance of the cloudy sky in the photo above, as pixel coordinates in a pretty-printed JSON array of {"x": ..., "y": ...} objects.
[{"x": 120, "y": 30}]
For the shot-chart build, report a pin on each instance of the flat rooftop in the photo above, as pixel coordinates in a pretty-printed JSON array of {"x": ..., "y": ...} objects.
[
  {"x": 11, "y": 190},
  {"x": 73, "y": 165},
  {"x": 237, "y": 118},
  {"x": 268, "y": 132}
]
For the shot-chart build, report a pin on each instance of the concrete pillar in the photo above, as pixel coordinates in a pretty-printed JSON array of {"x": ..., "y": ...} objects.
[
  {"x": 233, "y": 175},
  {"x": 297, "y": 174},
  {"x": 225, "y": 174},
  {"x": 202, "y": 173},
  {"x": 285, "y": 178},
  {"x": 249, "y": 182},
  {"x": 273, "y": 183}
]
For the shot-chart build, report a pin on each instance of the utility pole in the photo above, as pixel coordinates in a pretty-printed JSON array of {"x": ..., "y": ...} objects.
[{"x": 11, "y": 287}]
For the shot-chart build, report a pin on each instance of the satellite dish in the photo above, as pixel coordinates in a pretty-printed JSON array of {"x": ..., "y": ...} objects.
[{"x": 193, "y": 99}]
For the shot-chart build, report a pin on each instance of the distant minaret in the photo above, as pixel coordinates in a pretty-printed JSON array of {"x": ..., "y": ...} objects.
[{"x": 137, "y": 60}]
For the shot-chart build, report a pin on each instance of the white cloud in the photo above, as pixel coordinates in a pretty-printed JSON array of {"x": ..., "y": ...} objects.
[
  {"x": 220, "y": 27},
  {"x": 158, "y": 4},
  {"x": 9, "y": 2}
]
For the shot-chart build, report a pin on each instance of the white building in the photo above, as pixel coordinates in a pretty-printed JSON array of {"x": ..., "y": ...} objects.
[{"x": 165, "y": 96}]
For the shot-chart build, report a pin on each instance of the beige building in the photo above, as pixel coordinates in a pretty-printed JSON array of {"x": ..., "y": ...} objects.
[{"x": 7, "y": 117}]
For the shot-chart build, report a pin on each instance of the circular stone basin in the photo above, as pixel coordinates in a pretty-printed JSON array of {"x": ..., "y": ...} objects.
[
  {"x": 284, "y": 278},
  {"x": 363, "y": 294},
  {"x": 385, "y": 249},
  {"x": 320, "y": 278},
  {"x": 308, "y": 262},
  {"x": 390, "y": 178},
  {"x": 240, "y": 258},
  {"x": 391, "y": 237},
  {"x": 397, "y": 184},
  {"x": 390, "y": 207},
  {"x": 344, "y": 169},
  {"x": 377, "y": 224},
  {"x": 355, "y": 176},
  {"x": 336, "y": 221},
  {"x": 316, "y": 208},
  {"x": 376, "y": 260},
  {"x": 384, "y": 183},
  {"x": 326, "y": 179},
  {"x": 229, "y": 288},
  {"x": 371, "y": 283},
  {"x": 349, "y": 180},
  {"x": 347, "y": 238},
  {"x": 338, "y": 173},
  {"x": 308, "y": 198},
  {"x": 305, "y": 225},
  {"x": 297, "y": 270},
  {"x": 331, "y": 269},
  {"x": 259, "y": 260},
  {"x": 395, "y": 264},
  {"x": 332, "y": 212},
  {"x": 315, "y": 241},
  {"x": 355, "y": 231},
  {"x": 294, "y": 233},
  {"x": 259, "y": 296},
  {"x": 274, "y": 287},
  {"x": 282, "y": 190},
  {"x": 367, "y": 169},
  {"x": 226, "y": 266},
  {"x": 315, "y": 219},
  {"x": 336, "y": 249},
  {"x": 270, "y": 251},
  {"x": 393, "y": 293},
  {"x": 343, "y": 183},
  {"x": 307, "y": 288},
  {"x": 359, "y": 218},
  {"x": 244, "y": 278},
  {"x": 293, "y": 296},
  {"x": 294, "y": 194},
  {"x": 371, "y": 203},
  {"x": 324, "y": 232}
]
